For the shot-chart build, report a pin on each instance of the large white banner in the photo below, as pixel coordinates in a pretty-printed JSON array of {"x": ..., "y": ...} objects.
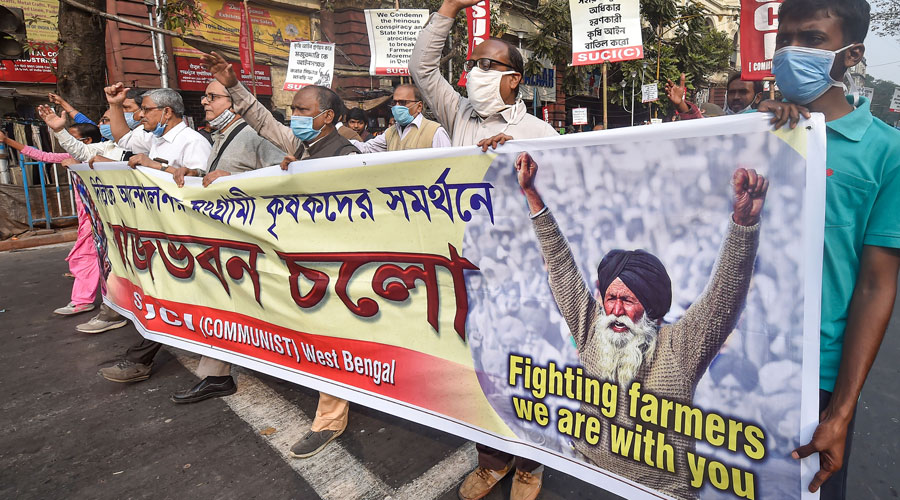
[
  {"x": 392, "y": 36},
  {"x": 655, "y": 334},
  {"x": 311, "y": 63},
  {"x": 605, "y": 31}
]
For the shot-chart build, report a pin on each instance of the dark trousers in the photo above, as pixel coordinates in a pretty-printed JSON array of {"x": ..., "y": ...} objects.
[
  {"x": 835, "y": 488},
  {"x": 143, "y": 352},
  {"x": 490, "y": 458}
]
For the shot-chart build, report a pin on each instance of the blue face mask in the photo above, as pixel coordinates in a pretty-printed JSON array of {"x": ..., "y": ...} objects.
[
  {"x": 803, "y": 74},
  {"x": 160, "y": 129},
  {"x": 132, "y": 123},
  {"x": 106, "y": 131},
  {"x": 401, "y": 115},
  {"x": 302, "y": 127}
]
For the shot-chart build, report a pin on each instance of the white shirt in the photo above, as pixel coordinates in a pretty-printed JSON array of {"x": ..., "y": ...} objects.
[
  {"x": 84, "y": 152},
  {"x": 379, "y": 143},
  {"x": 181, "y": 146}
]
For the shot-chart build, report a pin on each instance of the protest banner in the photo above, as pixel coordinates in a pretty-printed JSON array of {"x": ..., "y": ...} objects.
[
  {"x": 417, "y": 283},
  {"x": 478, "y": 23},
  {"x": 650, "y": 92},
  {"x": 192, "y": 75},
  {"x": 867, "y": 92},
  {"x": 392, "y": 36},
  {"x": 311, "y": 63},
  {"x": 579, "y": 116},
  {"x": 759, "y": 27},
  {"x": 895, "y": 101},
  {"x": 605, "y": 31}
]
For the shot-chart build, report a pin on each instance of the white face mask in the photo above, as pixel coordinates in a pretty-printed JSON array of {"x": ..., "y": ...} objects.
[
  {"x": 223, "y": 119},
  {"x": 483, "y": 88}
]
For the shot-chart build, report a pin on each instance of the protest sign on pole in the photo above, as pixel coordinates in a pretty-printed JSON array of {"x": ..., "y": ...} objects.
[
  {"x": 605, "y": 31},
  {"x": 417, "y": 283},
  {"x": 759, "y": 26},
  {"x": 478, "y": 21},
  {"x": 579, "y": 116},
  {"x": 545, "y": 113},
  {"x": 895, "y": 101},
  {"x": 392, "y": 36},
  {"x": 649, "y": 92},
  {"x": 245, "y": 45},
  {"x": 311, "y": 63}
]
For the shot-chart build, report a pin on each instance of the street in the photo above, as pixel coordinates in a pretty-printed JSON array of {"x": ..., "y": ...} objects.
[{"x": 68, "y": 432}]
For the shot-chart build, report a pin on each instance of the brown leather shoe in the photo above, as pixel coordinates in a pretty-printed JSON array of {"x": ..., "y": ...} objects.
[
  {"x": 527, "y": 485},
  {"x": 481, "y": 481}
]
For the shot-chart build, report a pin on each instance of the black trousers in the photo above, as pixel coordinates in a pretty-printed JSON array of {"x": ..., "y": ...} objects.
[
  {"x": 490, "y": 458},
  {"x": 143, "y": 352},
  {"x": 835, "y": 488}
]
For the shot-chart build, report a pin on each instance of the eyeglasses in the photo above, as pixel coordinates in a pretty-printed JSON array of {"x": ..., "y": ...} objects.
[
  {"x": 144, "y": 110},
  {"x": 212, "y": 97},
  {"x": 485, "y": 64},
  {"x": 402, "y": 102}
]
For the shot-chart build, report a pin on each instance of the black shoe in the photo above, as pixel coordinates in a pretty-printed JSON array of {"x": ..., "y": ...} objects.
[{"x": 210, "y": 387}]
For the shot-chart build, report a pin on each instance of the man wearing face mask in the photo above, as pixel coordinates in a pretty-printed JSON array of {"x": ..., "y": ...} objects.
[
  {"x": 411, "y": 130},
  {"x": 492, "y": 114},
  {"x": 312, "y": 134},
  {"x": 742, "y": 96},
  {"x": 817, "y": 41},
  {"x": 165, "y": 142},
  {"x": 236, "y": 148}
]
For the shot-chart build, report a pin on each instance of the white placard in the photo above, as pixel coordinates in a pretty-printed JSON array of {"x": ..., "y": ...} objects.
[
  {"x": 579, "y": 116},
  {"x": 605, "y": 31},
  {"x": 895, "y": 101},
  {"x": 392, "y": 36},
  {"x": 867, "y": 92},
  {"x": 311, "y": 63},
  {"x": 649, "y": 92}
]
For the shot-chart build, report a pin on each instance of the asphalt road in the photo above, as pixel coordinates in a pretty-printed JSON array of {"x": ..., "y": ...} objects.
[{"x": 65, "y": 431}]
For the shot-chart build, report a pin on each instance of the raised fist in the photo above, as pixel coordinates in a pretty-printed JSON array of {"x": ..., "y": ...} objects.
[{"x": 749, "y": 196}]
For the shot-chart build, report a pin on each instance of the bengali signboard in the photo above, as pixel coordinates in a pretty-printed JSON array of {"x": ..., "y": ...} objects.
[
  {"x": 759, "y": 27},
  {"x": 392, "y": 36},
  {"x": 41, "y": 21},
  {"x": 192, "y": 76},
  {"x": 417, "y": 283},
  {"x": 273, "y": 29},
  {"x": 311, "y": 63},
  {"x": 605, "y": 31}
]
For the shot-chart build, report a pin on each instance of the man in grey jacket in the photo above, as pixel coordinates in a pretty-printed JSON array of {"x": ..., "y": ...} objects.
[
  {"x": 236, "y": 148},
  {"x": 492, "y": 114}
]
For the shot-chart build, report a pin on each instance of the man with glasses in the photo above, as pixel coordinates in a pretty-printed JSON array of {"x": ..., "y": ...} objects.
[
  {"x": 492, "y": 113},
  {"x": 165, "y": 142},
  {"x": 236, "y": 148},
  {"x": 411, "y": 130}
]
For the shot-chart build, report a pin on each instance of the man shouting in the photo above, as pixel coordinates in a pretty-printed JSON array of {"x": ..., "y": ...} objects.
[{"x": 622, "y": 339}]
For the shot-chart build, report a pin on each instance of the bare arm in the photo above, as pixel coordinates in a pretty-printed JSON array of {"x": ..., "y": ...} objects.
[
  {"x": 115, "y": 96},
  {"x": 867, "y": 319}
]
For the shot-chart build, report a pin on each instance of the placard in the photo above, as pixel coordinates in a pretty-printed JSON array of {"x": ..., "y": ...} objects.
[
  {"x": 605, "y": 31},
  {"x": 311, "y": 63},
  {"x": 579, "y": 116},
  {"x": 392, "y": 36}
]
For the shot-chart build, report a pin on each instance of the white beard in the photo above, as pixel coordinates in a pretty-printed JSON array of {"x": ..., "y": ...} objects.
[{"x": 622, "y": 354}]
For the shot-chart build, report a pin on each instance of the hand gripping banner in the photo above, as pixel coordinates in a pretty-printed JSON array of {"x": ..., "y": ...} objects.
[{"x": 653, "y": 331}]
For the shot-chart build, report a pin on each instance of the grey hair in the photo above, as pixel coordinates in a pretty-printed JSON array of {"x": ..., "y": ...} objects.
[{"x": 167, "y": 98}]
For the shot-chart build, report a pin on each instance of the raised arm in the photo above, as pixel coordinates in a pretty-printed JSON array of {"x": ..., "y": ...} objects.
[
  {"x": 115, "y": 96},
  {"x": 79, "y": 150},
  {"x": 712, "y": 317},
  {"x": 569, "y": 290},
  {"x": 424, "y": 63},
  {"x": 250, "y": 109},
  {"x": 68, "y": 108}
]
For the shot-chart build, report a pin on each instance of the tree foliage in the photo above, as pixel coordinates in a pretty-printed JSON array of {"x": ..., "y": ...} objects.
[{"x": 676, "y": 31}]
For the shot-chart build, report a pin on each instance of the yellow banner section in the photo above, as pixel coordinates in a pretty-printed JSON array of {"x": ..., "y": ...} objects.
[{"x": 273, "y": 29}]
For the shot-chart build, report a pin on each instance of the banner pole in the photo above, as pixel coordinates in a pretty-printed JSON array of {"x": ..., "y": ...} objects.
[
  {"x": 605, "y": 121},
  {"x": 771, "y": 87}
]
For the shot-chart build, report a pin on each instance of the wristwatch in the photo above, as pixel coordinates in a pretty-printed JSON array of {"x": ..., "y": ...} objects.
[{"x": 164, "y": 163}]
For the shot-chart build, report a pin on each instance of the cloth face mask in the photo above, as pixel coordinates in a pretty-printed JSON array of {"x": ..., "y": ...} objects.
[
  {"x": 106, "y": 131},
  {"x": 483, "y": 88},
  {"x": 803, "y": 74},
  {"x": 223, "y": 119},
  {"x": 401, "y": 115}
]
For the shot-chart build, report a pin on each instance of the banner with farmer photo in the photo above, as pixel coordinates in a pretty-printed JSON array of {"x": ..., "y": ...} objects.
[{"x": 638, "y": 308}]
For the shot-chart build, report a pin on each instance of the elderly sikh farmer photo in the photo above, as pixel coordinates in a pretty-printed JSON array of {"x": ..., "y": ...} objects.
[{"x": 622, "y": 339}]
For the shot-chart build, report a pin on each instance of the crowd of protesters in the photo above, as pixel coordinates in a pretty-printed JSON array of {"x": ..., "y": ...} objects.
[{"x": 817, "y": 41}]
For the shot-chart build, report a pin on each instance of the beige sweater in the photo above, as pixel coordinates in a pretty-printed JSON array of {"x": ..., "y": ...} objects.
[{"x": 683, "y": 350}]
